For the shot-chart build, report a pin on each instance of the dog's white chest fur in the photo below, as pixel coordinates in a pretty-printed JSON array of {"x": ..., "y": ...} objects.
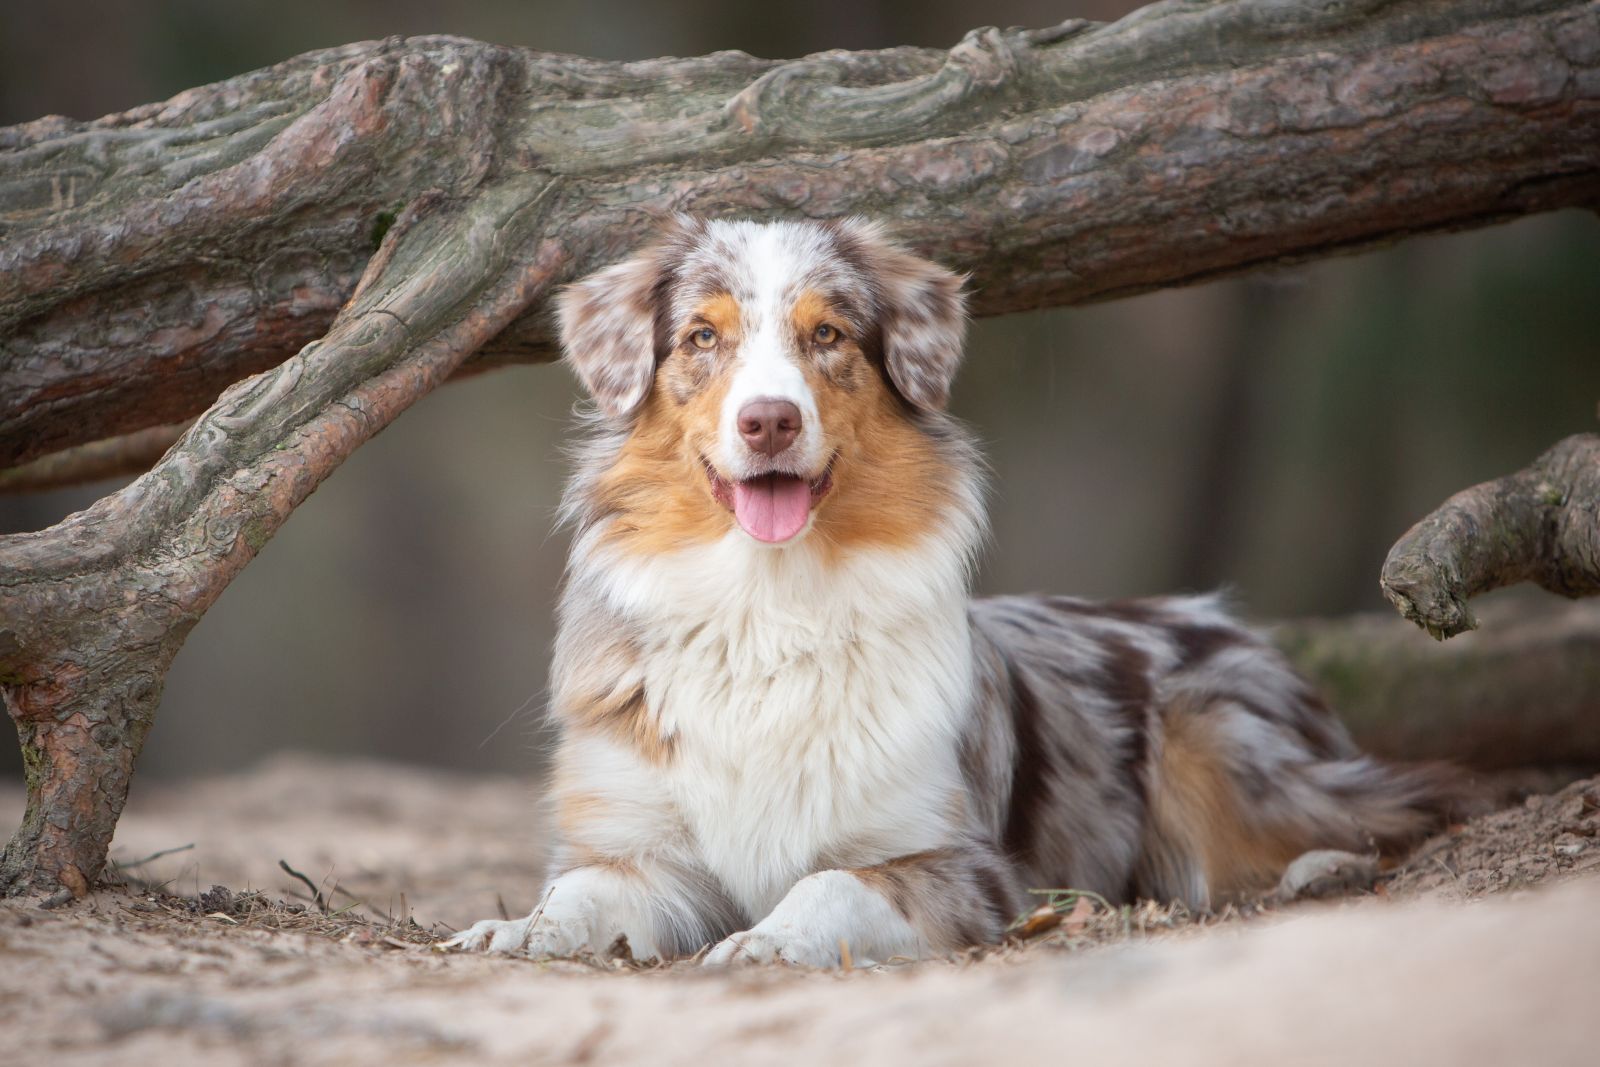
[{"x": 814, "y": 710}]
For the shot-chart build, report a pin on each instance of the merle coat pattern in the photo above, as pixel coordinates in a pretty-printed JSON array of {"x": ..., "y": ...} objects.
[{"x": 784, "y": 725}]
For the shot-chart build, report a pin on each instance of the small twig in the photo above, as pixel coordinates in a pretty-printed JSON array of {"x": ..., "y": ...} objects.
[
  {"x": 150, "y": 858},
  {"x": 539, "y": 911},
  {"x": 501, "y": 903},
  {"x": 337, "y": 888},
  {"x": 316, "y": 894}
]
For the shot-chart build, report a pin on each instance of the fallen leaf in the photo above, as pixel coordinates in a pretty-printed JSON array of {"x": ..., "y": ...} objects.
[
  {"x": 1040, "y": 920},
  {"x": 1078, "y": 917}
]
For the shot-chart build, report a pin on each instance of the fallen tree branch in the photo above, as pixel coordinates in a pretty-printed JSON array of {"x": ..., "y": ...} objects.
[
  {"x": 113, "y": 457},
  {"x": 152, "y": 857},
  {"x": 150, "y": 259},
  {"x": 93, "y": 609},
  {"x": 1523, "y": 692},
  {"x": 1540, "y": 525}
]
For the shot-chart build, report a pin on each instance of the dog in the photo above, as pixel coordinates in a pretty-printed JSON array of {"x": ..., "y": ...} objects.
[{"x": 786, "y": 731}]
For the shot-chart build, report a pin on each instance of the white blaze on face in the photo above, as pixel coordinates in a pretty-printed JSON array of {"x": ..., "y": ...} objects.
[
  {"x": 766, "y": 366},
  {"x": 765, "y": 269}
]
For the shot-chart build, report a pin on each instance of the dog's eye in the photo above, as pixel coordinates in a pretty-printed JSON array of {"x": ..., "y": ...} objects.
[
  {"x": 825, "y": 334},
  {"x": 704, "y": 337}
]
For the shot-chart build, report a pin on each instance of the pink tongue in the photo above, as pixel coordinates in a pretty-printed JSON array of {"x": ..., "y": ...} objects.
[{"x": 772, "y": 508}]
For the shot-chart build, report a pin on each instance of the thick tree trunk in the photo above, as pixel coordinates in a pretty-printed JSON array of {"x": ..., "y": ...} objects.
[{"x": 364, "y": 220}]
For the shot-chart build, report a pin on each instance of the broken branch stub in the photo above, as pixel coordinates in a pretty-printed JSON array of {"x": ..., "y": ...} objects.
[{"x": 1540, "y": 525}]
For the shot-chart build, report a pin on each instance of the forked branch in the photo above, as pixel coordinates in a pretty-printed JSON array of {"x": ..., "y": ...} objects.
[{"x": 93, "y": 610}]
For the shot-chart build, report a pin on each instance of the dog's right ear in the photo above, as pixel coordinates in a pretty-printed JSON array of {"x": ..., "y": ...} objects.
[{"x": 607, "y": 324}]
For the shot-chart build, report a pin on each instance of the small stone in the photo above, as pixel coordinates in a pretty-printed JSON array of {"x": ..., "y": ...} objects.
[
  {"x": 1569, "y": 845},
  {"x": 217, "y": 899},
  {"x": 57, "y": 899}
]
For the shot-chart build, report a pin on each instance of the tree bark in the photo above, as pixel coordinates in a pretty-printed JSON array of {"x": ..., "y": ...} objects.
[
  {"x": 149, "y": 259},
  {"x": 363, "y": 220},
  {"x": 1540, "y": 525},
  {"x": 93, "y": 610}
]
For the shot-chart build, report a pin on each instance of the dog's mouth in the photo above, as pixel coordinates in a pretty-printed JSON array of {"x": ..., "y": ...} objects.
[{"x": 771, "y": 507}]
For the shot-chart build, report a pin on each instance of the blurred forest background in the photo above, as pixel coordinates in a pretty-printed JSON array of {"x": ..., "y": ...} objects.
[{"x": 1273, "y": 434}]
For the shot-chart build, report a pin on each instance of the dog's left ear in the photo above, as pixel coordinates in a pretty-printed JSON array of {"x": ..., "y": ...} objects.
[
  {"x": 607, "y": 324},
  {"x": 921, "y": 309}
]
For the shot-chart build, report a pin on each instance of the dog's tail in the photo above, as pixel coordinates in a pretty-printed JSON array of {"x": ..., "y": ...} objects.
[
  {"x": 1389, "y": 806},
  {"x": 1234, "y": 798}
]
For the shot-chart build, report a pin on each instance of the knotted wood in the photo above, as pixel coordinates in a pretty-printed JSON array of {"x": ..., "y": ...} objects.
[{"x": 1539, "y": 525}]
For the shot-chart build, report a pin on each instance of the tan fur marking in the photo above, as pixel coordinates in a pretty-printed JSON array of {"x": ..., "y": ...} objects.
[
  {"x": 722, "y": 314},
  {"x": 810, "y": 311},
  {"x": 575, "y": 811},
  {"x": 1194, "y": 803},
  {"x": 581, "y": 856},
  {"x": 623, "y": 715},
  {"x": 900, "y": 881},
  {"x": 890, "y": 487},
  {"x": 657, "y": 486}
]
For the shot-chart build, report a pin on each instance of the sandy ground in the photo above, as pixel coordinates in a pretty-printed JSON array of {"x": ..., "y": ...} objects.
[{"x": 1482, "y": 948}]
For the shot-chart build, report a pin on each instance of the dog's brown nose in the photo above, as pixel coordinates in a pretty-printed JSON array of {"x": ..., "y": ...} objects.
[{"x": 769, "y": 426}]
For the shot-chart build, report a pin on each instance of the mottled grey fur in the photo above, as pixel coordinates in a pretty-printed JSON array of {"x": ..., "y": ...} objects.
[{"x": 1141, "y": 748}]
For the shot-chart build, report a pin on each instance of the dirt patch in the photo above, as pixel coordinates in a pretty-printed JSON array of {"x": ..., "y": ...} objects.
[
  {"x": 173, "y": 970},
  {"x": 445, "y": 847},
  {"x": 1544, "y": 839}
]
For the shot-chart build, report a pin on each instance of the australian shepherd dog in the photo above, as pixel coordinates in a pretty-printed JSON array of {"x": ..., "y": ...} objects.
[{"x": 786, "y": 731}]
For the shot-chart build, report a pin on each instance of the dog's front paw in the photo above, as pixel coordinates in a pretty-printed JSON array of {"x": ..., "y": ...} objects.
[
  {"x": 539, "y": 936},
  {"x": 780, "y": 943},
  {"x": 493, "y": 935}
]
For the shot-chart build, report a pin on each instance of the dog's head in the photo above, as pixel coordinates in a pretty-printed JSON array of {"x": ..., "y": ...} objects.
[{"x": 771, "y": 375}]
